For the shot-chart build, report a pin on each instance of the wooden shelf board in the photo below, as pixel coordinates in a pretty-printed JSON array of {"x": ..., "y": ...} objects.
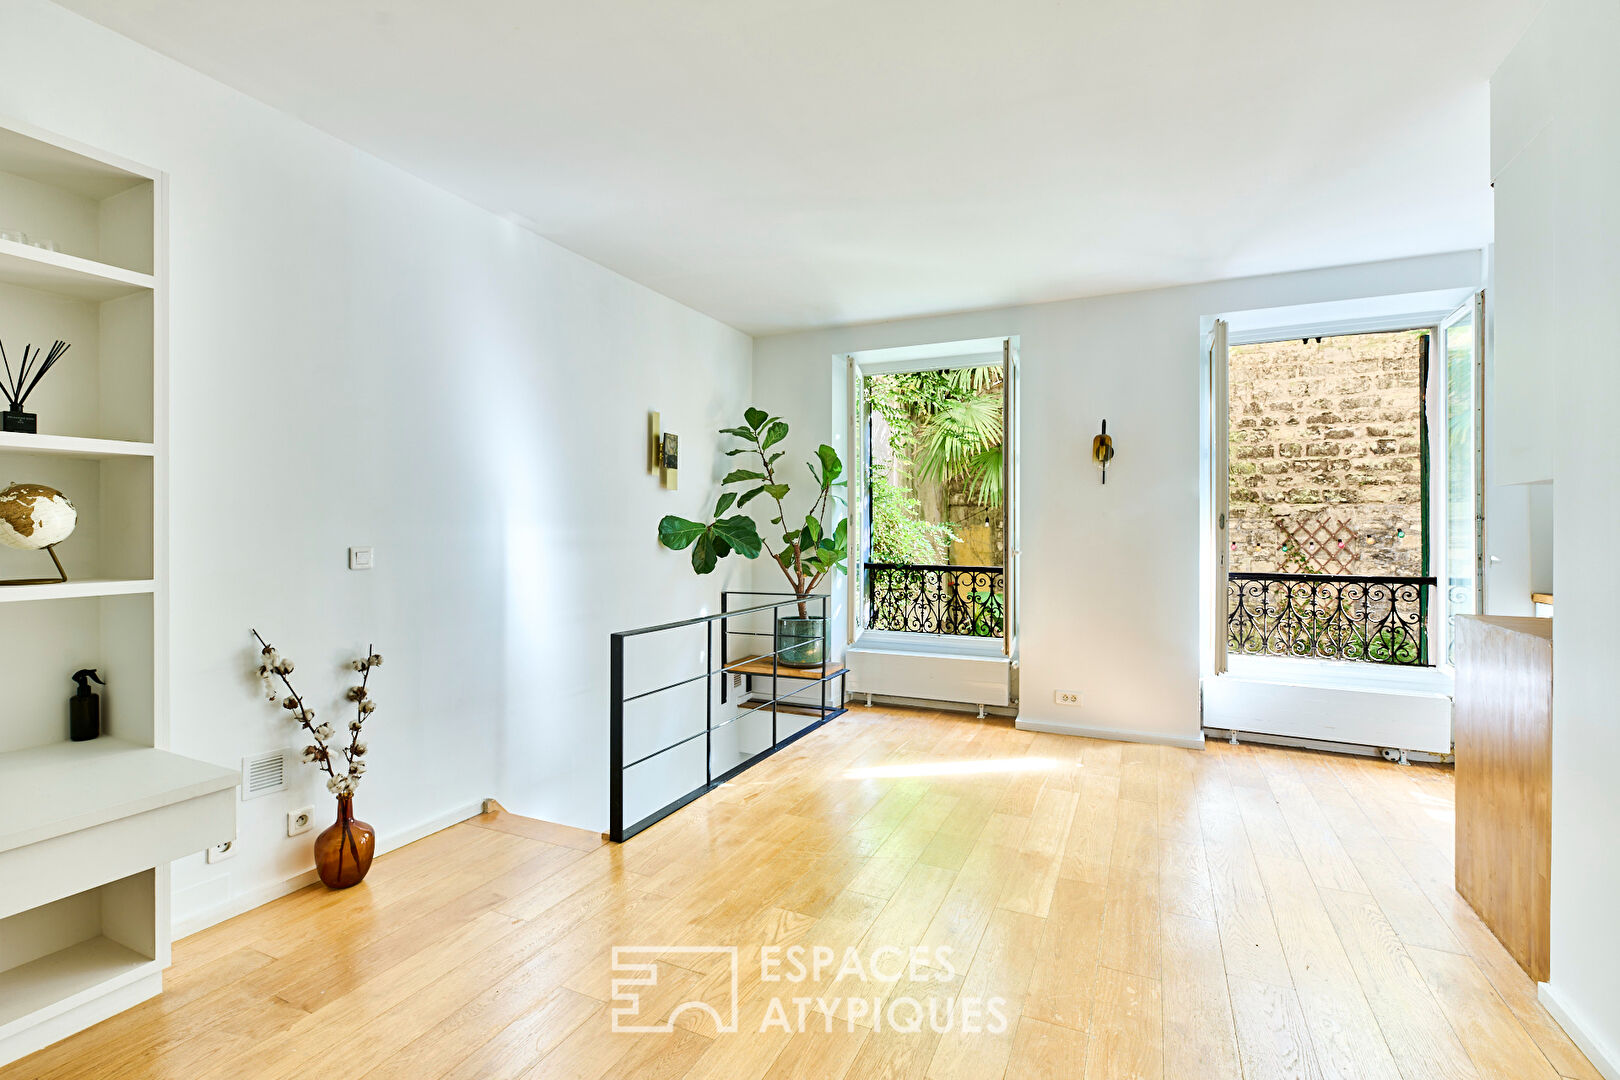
[
  {"x": 73, "y": 446},
  {"x": 49, "y": 791},
  {"x": 75, "y": 589},
  {"x": 51, "y": 983},
  {"x": 761, "y": 665},
  {"x": 809, "y": 710},
  {"x": 67, "y": 275}
]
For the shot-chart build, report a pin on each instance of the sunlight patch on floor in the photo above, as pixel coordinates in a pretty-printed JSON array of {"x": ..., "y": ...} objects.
[{"x": 958, "y": 768}]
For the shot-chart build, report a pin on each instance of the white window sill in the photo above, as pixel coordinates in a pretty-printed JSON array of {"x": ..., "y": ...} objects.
[
  {"x": 1341, "y": 675},
  {"x": 896, "y": 641}
]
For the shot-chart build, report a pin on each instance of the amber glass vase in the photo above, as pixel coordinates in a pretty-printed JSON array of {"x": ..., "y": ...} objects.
[{"x": 343, "y": 850}]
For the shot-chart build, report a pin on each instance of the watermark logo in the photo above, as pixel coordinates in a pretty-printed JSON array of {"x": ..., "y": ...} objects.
[
  {"x": 849, "y": 988},
  {"x": 627, "y": 997}
]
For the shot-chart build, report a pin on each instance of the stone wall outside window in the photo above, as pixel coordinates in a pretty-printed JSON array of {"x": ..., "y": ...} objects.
[{"x": 1328, "y": 431}]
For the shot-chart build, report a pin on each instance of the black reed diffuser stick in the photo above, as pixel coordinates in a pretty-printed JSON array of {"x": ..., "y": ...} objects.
[{"x": 36, "y": 363}]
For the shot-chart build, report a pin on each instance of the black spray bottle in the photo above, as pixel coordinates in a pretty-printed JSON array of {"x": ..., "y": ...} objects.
[{"x": 84, "y": 708}]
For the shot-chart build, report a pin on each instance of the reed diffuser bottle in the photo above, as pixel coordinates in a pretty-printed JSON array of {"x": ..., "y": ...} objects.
[{"x": 18, "y": 384}]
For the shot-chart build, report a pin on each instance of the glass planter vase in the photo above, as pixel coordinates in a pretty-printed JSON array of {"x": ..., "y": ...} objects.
[
  {"x": 343, "y": 850},
  {"x": 800, "y": 640}
]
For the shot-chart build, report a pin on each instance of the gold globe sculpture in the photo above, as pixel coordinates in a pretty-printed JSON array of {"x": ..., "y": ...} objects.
[{"x": 34, "y": 517}]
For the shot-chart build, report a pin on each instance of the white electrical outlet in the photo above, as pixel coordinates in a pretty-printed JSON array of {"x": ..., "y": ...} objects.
[
  {"x": 1067, "y": 697},
  {"x": 221, "y": 852},
  {"x": 300, "y": 820}
]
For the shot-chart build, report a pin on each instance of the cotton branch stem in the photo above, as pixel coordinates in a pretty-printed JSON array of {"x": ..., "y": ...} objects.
[
  {"x": 301, "y": 712},
  {"x": 360, "y": 702}
]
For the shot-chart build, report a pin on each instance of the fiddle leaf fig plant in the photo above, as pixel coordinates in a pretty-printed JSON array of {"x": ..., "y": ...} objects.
[
  {"x": 809, "y": 550},
  {"x": 712, "y": 542}
]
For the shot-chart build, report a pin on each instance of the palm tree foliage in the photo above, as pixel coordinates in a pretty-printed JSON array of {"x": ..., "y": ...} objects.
[
  {"x": 948, "y": 426},
  {"x": 962, "y": 441}
]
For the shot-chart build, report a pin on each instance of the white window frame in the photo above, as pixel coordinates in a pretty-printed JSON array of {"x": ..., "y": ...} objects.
[
  {"x": 1426, "y": 311},
  {"x": 939, "y": 356},
  {"x": 1439, "y": 474}
]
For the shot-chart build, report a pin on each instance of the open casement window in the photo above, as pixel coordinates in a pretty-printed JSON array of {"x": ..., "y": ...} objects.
[
  {"x": 1461, "y": 474},
  {"x": 860, "y": 506},
  {"x": 1009, "y": 487},
  {"x": 1219, "y": 487},
  {"x": 1322, "y": 599},
  {"x": 933, "y": 503}
]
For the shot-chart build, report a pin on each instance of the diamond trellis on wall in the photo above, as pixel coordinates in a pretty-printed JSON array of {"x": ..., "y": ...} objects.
[{"x": 1323, "y": 543}]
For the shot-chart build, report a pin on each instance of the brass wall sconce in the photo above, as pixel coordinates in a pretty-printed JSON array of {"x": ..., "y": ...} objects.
[
  {"x": 1102, "y": 450},
  {"x": 663, "y": 451}
]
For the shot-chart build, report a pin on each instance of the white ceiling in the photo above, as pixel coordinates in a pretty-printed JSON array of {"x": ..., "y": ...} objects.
[{"x": 791, "y": 163}]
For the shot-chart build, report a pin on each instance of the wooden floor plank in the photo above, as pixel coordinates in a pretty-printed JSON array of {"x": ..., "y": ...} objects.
[
  {"x": 1060, "y": 987},
  {"x": 1044, "y": 1051},
  {"x": 1348, "y": 1041},
  {"x": 1271, "y": 1033},
  {"x": 1410, "y": 1019},
  {"x": 1499, "y": 1047},
  {"x": 990, "y": 999},
  {"x": 1199, "y": 1038},
  {"x": 1127, "y": 1029},
  {"x": 1040, "y": 854},
  {"x": 1509, "y": 980},
  {"x": 1135, "y": 911},
  {"x": 1243, "y": 915},
  {"x": 1318, "y": 845}
]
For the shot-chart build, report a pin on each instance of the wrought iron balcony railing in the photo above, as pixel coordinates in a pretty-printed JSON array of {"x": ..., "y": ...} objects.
[
  {"x": 1378, "y": 620},
  {"x": 969, "y": 601}
]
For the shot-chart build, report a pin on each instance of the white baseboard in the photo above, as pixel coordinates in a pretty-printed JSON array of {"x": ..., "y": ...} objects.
[
  {"x": 858, "y": 697},
  {"x": 1355, "y": 749},
  {"x": 1190, "y": 742},
  {"x": 1602, "y": 1057},
  {"x": 240, "y": 903},
  {"x": 247, "y": 901}
]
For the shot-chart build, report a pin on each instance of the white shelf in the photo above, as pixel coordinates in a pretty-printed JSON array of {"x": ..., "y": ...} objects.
[
  {"x": 49, "y": 791},
  {"x": 73, "y": 446},
  {"x": 67, "y": 275},
  {"x": 55, "y": 982},
  {"x": 75, "y": 590},
  {"x": 87, "y": 830},
  {"x": 48, "y": 160}
]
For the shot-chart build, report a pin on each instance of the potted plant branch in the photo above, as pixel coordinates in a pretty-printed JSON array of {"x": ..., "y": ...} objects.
[{"x": 809, "y": 550}]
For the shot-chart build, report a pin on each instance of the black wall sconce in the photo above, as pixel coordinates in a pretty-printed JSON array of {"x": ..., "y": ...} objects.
[{"x": 1102, "y": 450}]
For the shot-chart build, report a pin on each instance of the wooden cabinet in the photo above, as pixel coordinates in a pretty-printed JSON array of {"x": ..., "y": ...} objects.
[{"x": 1503, "y": 725}]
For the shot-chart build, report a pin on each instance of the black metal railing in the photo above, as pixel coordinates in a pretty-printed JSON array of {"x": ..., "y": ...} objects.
[
  {"x": 1378, "y": 620},
  {"x": 770, "y": 665},
  {"x": 969, "y": 601}
]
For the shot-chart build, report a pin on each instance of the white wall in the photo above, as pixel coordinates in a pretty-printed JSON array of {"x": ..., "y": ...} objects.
[
  {"x": 360, "y": 358},
  {"x": 1564, "y": 81},
  {"x": 1110, "y": 587}
]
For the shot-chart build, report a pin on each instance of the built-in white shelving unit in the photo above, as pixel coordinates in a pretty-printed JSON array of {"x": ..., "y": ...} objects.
[{"x": 87, "y": 829}]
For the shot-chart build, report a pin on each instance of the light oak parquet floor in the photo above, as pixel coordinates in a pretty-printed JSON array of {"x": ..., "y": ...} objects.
[{"x": 1140, "y": 911}]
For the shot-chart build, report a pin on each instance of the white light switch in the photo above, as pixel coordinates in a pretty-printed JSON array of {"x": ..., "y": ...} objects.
[{"x": 359, "y": 558}]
